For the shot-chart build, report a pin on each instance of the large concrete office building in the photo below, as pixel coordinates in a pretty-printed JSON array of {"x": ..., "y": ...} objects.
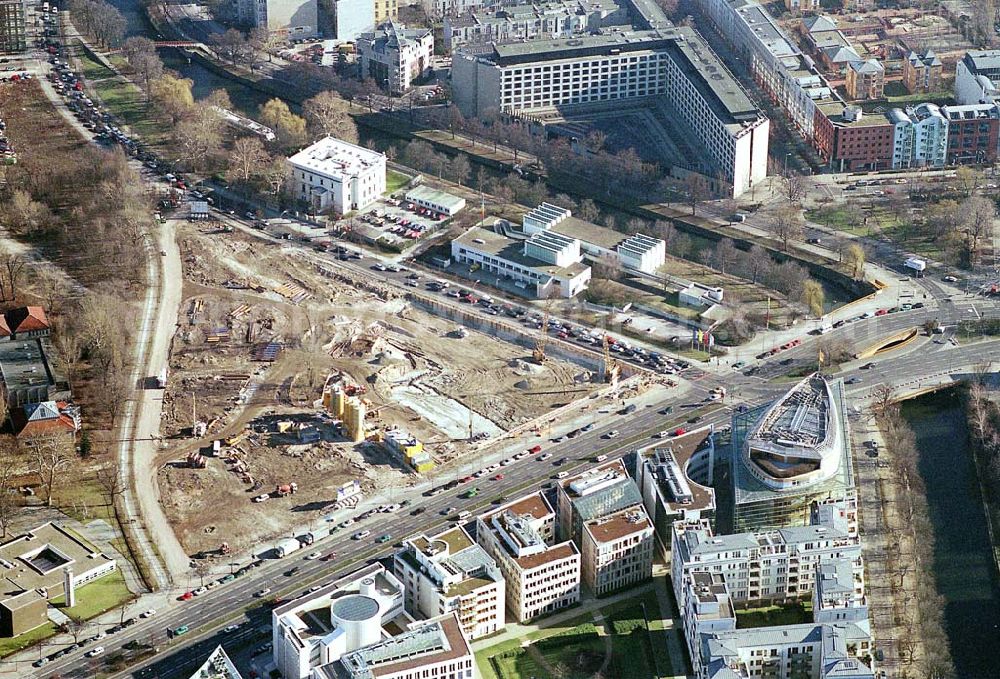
[
  {"x": 449, "y": 572},
  {"x": 286, "y": 18},
  {"x": 13, "y": 26},
  {"x": 649, "y": 58},
  {"x": 616, "y": 550},
  {"x": 597, "y": 492}
]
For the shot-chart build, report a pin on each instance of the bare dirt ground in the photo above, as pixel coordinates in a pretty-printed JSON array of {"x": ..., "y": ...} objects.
[{"x": 416, "y": 371}]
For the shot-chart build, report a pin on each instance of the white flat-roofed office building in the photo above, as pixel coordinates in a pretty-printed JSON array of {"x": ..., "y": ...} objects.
[
  {"x": 436, "y": 649},
  {"x": 335, "y": 175},
  {"x": 348, "y": 614},
  {"x": 542, "y": 575},
  {"x": 674, "y": 63},
  {"x": 616, "y": 550},
  {"x": 449, "y": 572},
  {"x": 439, "y": 201},
  {"x": 638, "y": 251},
  {"x": 521, "y": 261},
  {"x": 760, "y": 567}
]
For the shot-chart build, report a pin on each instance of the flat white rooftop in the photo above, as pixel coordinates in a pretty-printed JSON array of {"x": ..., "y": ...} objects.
[{"x": 336, "y": 158}]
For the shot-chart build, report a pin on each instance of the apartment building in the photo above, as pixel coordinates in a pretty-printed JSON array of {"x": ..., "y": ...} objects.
[
  {"x": 836, "y": 645},
  {"x": 760, "y": 567},
  {"x": 530, "y": 21},
  {"x": 599, "y": 491},
  {"x": 922, "y": 72},
  {"x": 436, "y": 649},
  {"x": 976, "y": 75},
  {"x": 351, "y": 18},
  {"x": 395, "y": 56},
  {"x": 319, "y": 628},
  {"x": 13, "y": 26},
  {"x": 386, "y": 10},
  {"x": 338, "y": 176},
  {"x": 972, "y": 133},
  {"x": 447, "y": 573},
  {"x": 673, "y": 63},
  {"x": 865, "y": 80},
  {"x": 289, "y": 19},
  {"x": 542, "y": 575},
  {"x": 802, "y": 5},
  {"x": 920, "y": 136},
  {"x": 616, "y": 550}
]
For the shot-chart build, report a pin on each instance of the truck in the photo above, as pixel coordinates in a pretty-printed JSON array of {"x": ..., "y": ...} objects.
[
  {"x": 286, "y": 547},
  {"x": 285, "y": 489},
  {"x": 161, "y": 379},
  {"x": 309, "y": 538}
]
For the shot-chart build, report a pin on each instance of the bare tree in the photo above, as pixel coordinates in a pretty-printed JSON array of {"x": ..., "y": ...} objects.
[
  {"x": 12, "y": 464},
  {"x": 795, "y": 187},
  {"x": 978, "y": 224},
  {"x": 231, "y": 45},
  {"x": 140, "y": 52},
  {"x": 460, "y": 169},
  {"x": 246, "y": 159},
  {"x": 725, "y": 254},
  {"x": 787, "y": 225},
  {"x": 13, "y": 266},
  {"x": 588, "y": 210},
  {"x": 327, "y": 114},
  {"x": 756, "y": 262},
  {"x": 695, "y": 191},
  {"x": 51, "y": 454}
]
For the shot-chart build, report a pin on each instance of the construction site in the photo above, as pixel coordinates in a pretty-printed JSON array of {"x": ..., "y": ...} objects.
[{"x": 290, "y": 379}]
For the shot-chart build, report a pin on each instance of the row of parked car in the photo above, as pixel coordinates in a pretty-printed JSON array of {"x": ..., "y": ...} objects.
[{"x": 8, "y": 156}]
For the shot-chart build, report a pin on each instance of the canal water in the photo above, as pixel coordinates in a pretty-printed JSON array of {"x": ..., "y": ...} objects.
[{"x": 963, "y": 559}]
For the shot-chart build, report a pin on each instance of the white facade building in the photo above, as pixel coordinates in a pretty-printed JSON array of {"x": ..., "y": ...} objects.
[
  {"x": 976, "y": 75},
  {"x": 436, "y": 649},
  {"x": 542, "y": 575},
  {"x": 394, "y": 56},
  {"x": 348, "y": 614},
  {"x": 920, "y": 136},
  {"x": 450, "y": 573},
  {"x": 287, "y": 18},
  {"x": 638, "y": 251},
  {"x": 676, "y": 62},
  {"x": 760, "y": 567},
  {"x": 531, "y": 264},
  {"x": 335, "y": 175},
  {"x": 617, "y": 550},
  {"x": 351, "y": 18}
]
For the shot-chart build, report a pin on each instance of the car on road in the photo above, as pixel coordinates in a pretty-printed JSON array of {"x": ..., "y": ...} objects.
[
  {"x": 94, "y": 652},
  {"x": 260, "y": 594},
  {"x": 853, "y": 380},
  {"x": 292, "y": 571},
  {"x": 544, "y": 457},
  {"x": 200, "y": 591},
  {"x": 179, "y": 631},
  {"x": 950, "y": 279},
  {"x": 361, "y": 534},
  {"x": 472, "y": 492},
  {"x": 611, "y": 434},
  {"x": 663, "y": 434},
  {"x": 382, "y": 539},
  {"x": 498, "y": 477},
  {"x": 41, "y": 662},
  {"x": 186, "y": 596},
  {"x": 562, "y": 475},
  {"x": 448, "y": 511},
  {"x": 587, "y": 427},
  {"x": 561, "y": 461},
  {"x": 739, "y": 365},
  {"x": 868, "y": 366},
  {"x": 418, "y": 511},
  {"x": 680, "y": 431},
  {"x": 229, "y": 629},
  {"x": 148, "y": 614},
  {"x": 312, "y": 555},
  {"x": 695, "y": 420},
  {"x": 328, "y": 556}
]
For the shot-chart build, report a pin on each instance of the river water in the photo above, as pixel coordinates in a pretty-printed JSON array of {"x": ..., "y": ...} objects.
[{"x": 963, "y": 559}]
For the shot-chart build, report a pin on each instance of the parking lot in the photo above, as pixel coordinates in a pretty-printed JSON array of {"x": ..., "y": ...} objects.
[{"x": 399, "y": 221}]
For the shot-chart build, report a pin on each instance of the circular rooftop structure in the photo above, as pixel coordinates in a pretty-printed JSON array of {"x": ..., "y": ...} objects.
[{"x": 354, "y": 608}]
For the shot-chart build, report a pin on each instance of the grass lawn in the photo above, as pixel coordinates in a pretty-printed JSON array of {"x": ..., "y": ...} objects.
[
  {"x": 97, "y": 597},
  {"x": 124, "y": 100},
  {"x": 771, "y": 616},
  {"x": 896, "y": 93},
  {"x": 394, "y": 181},
  {"x": 578, "y": 648},
  {"x": 10, "y": 645}
]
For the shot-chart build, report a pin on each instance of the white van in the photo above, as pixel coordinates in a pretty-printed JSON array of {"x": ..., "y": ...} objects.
[
  {"x": 601, "y": 458},
  {"x": 464, "y": 515}
]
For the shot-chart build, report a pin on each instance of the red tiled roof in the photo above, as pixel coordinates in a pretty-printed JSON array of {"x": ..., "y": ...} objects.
[
  {"x": 59, "y": 425},
  {"x": 4, "y": 328},
  {"x": 26, "y": 319}
]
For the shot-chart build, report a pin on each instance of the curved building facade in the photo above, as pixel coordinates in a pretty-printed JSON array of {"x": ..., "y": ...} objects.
[{"x": 798, "y": 441}]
